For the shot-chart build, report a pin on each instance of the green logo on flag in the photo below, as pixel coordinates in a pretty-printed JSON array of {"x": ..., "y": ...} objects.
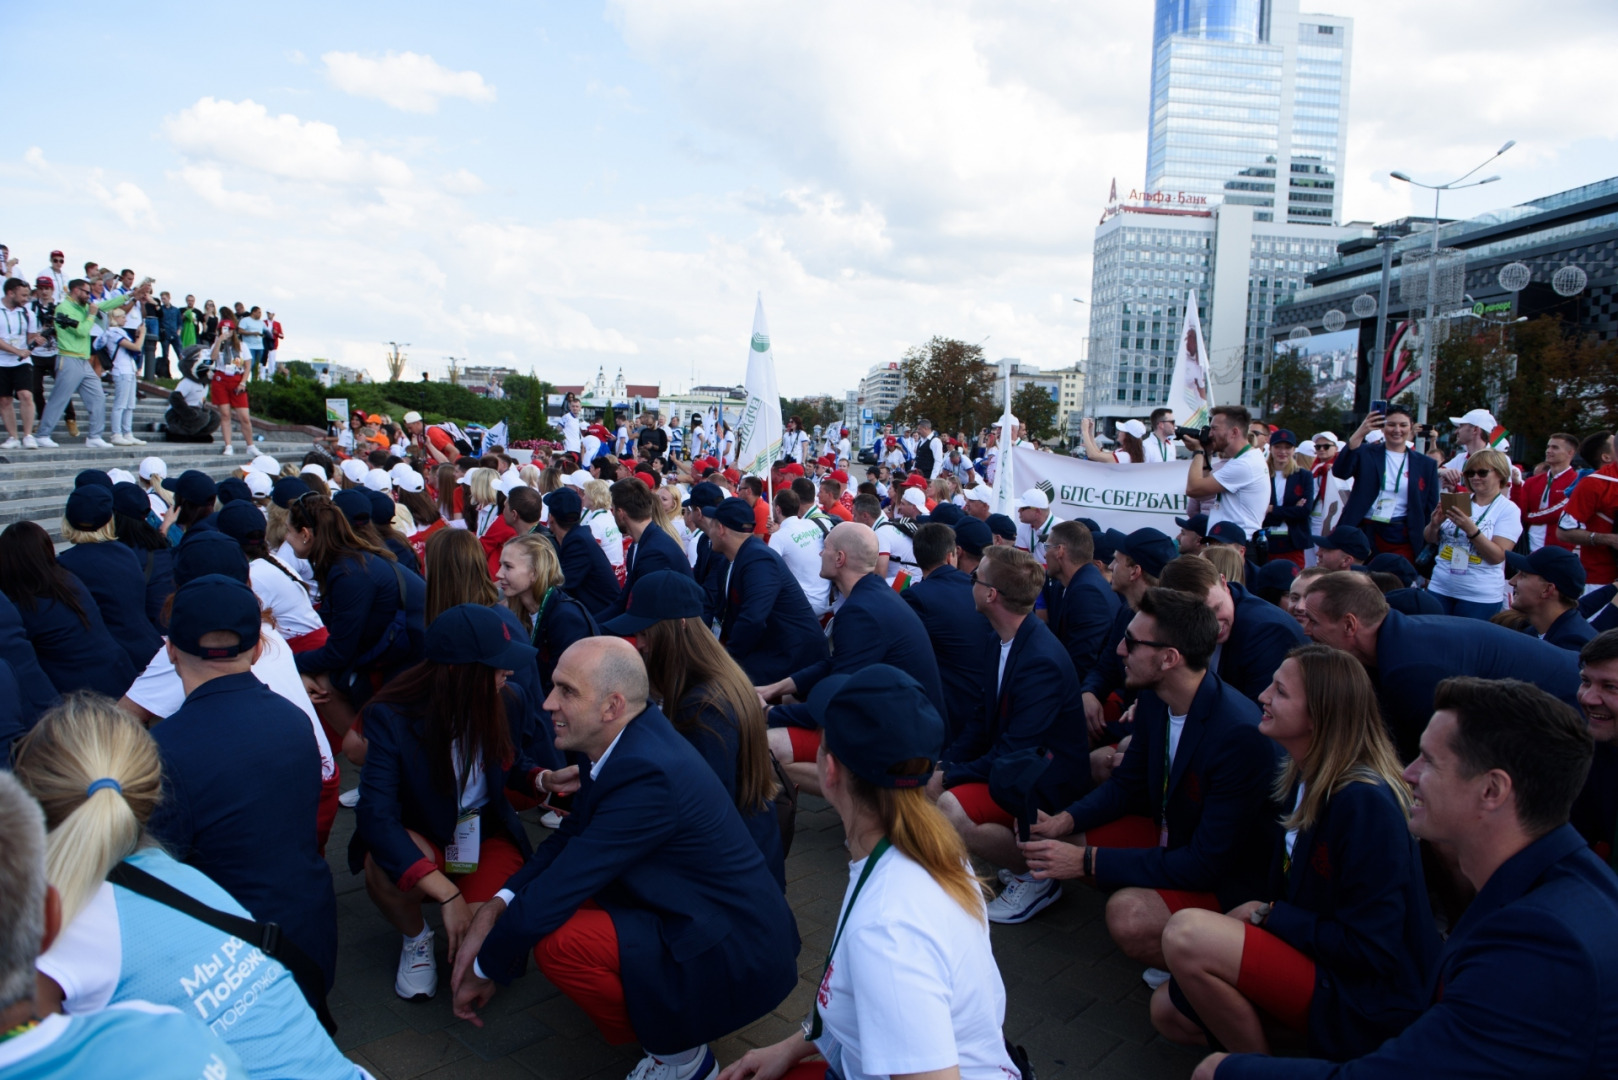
[{"x": 761, "y": 343}]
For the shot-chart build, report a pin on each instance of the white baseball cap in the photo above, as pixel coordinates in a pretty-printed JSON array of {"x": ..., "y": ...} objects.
[
  {"x": 509, "y": 481},
  {"x": 412, "y": 417},
  {"x": 399, "y": 469},
  {"x": 120, "y": 476},
  {"x": 409, "y": 480},
  {"x": 312, "y": 469},
  {"x": 378, "y": 480},
  {"x": 259, "y": 483},
  {"x": 265, "y": 464},
  {"x": 1133, "y": 427},
  {"x": 1326, "y": 436},
  {"x": 354, "y": 470},
  {"x": 915, "y": 498},
  {"x": 1481, "y": 418},
  {"x": 981, "y": 493},
  {"x": 1374, "y": 436},
  {"x": 152, "y": 466},
  {"x": 1035, "y": 498}
]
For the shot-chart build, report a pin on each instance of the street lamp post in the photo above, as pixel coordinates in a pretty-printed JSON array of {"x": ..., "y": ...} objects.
[{"x": 1428, "y": 342}]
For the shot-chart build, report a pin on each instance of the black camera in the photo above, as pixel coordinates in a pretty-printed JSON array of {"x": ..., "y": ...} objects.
[
  {"x": 1200, "y": 435},
  {"x": 64, "y": 321}
]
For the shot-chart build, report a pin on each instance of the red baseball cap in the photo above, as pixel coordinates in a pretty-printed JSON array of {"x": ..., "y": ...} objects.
[
  {"x": 840, "y": 476},
  {"x": 733, "y": 476},
  {"x": 42, "y": 282},
  {"x": 914, "y": 480},
  {"x": 794, "y": 469},
  {"x": 58, "y": 255}
]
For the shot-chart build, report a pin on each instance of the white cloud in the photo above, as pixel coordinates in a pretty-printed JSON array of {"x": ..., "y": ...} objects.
[
  {"x": 209, "y": 183},
  {"x": 463, "y": 182},
  {"x": 407, "y": 81},
  {"x": 125, "y": 199},
  {"x": 35, "y": 158},
  {"x": 244, "y": 133}
]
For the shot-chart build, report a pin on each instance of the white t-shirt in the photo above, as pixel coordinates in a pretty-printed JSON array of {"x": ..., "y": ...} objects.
[
  {"x": 572, "y": 441},
  {"x": 1158, "y": 450},
  {"x": 304, "y": 568},
  {"x": 1246, "y": 480},
  {"x": 1474, "y": 579},
  {"x": 1176, "y": 729},
  {"x": 15, "y": 326},
  {"x": 1393, "y": 495},
  {"x": 898, "y": 547},
  {"x": 912, "y": 986},
  {"x": 607, "y": 534},
  {"x": 192, "y": 392},
  {"x": 799, "y": 543},
  {"x": 284, "y": 598},
  {"x": 1033, "y": 539},
  {"x": 1005, "y": 654},
  {"x": 843, "y": 448},
  {"x": 252, "y": 331}
]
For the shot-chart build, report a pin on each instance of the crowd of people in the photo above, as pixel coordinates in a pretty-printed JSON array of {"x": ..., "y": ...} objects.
[{"x": 1335, "y": 812}]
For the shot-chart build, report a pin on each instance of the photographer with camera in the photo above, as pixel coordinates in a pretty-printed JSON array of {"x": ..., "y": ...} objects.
[
  {"x": 75, "y": 320},
  {"x": 1239, "y": 482},
  {"x": 18, "y": 333}
]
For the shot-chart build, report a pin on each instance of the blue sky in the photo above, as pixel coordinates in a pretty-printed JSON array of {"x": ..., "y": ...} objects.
[{"x": 569, "y": 186}]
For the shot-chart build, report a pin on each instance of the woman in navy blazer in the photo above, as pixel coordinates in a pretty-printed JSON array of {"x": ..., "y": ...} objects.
[
  {"x": 1286, "y": 524},
  {"x": 60, "y": 616},
  {"x": 442, "y": 754},
  {"x": 133, "y": 519},
  {"x": 1343, "y": 947},
  {"x": 110, "y": 571}
]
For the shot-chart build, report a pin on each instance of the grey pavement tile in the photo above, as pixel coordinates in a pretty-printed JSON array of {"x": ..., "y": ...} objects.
[
  {"x": 1067, "y": 1046},
  {"x": 408, "y": 1054},
  {"x": 503, "y": 1035},
  {"x": 560, "y": 1058},
  {"x": 1158, "y": 1060}
]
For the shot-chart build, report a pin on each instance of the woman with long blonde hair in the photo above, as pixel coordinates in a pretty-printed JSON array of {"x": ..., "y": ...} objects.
[
  {"x": 1341, "y": 947},
  {"x": 1292, "y": 500},
  {"x": 597, "y": 496},
  {"x": 487, "y": 500},
  {"x": 530, "y": 583}
]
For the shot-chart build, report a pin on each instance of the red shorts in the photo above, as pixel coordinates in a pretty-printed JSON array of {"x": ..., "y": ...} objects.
[
  {"x": 498, "y": 859},
  {"x": 1276, "y": 977},
  {"x": 309, "y": 642},
  {"x": 228, "y": 390},
  {"x": 1141, "y": 832},
  {"x": 805, "y": 743},
  {"x": 580, "y": 958},
  {"x": 983, "y": 810}
]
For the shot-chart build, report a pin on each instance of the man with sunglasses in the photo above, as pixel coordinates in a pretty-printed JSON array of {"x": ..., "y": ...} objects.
[
  {"x": 75, "y": 373},
  {"x": 56, "y": 273}
]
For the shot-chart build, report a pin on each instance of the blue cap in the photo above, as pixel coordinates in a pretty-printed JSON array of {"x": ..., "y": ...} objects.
[
  {"x": 1197, "y": 523},
  {"x": 234, "y": 489},
  {"x": 92, "y": 476},
  {"x": 875, "y": 719},
  {"x": 1283, "y": 436},
  {"x": 240, "y": 520},
  {"x": 1391, "y": 562},
  {"x": 666, "y": 594},
  {"x": 1106, "y": 541},
  {"x": 946, "y": 513},
  {"x": 1226, "y": 532},
  {"x": 973, "y": 536},
  {"x": 564, "y": 502},
  {"x": 355, "y": 505},
  {"x": 733, "y": 513},
  {"x": 474, "y": 634},
  {"x": 204, "y": 552},
  {"x": 89, "y": 507},
  {"x": 130, "y": 501},
  {"x": 1150, "y": 549},
  {"x": 210, "y": 604},
  {"x": 1557, "y": 565},
  {"x": 287, "y": 490},
  {"x": 193, "y": 487},
  {"x": 382, "y": 506},
  {"x": 704, "y": 494},
  {"x": 1276, "y": 574},
  {"x": 1002, "y": 526},
  {"x": 1346, "y": 538}
]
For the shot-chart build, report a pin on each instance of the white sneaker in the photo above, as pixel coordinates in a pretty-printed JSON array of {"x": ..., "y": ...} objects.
[
  {"x": 45, "y": 441},
  {"x": 29, "y": 443},
  {"x": 551, "y": 819},
  {"x": 135, "y": 440},
  {"x": 1154, "y": 977},
  {"x": 1023, "y": 899},
  {"x": 122, "y": 440},
  {"x": 12, "y": 443},
  {"x": 96, "y": 442},
  {"x": 652, "y": 1067},
  {"x": 1006, "y": 876},
  {"x": 349, "y": 798},
  {"x": 418, "y": 969},
  {"x": 230, "y": 451}
]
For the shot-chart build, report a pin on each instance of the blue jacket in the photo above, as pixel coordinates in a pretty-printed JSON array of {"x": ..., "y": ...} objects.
[
  {"x": 1414, "y": 653},
  {"x": 1260, "y": 638},
  {"x": 13, "y": 724},
  {"x": 38, "y": 693},
  {"x": 1569, "y": 631},
  {"x": 1082, "y": 616},
  {"x": 1364, "y": 467},
  {"x": 1524, "y": 986},
  {"x": 1355, "y": 902},
  {"x": 398, "y": 794},
  {"x": 1034, "y": 704},
  {"x": 710, "y": 572},
  {"x": 72, "y": 655},
  {"x": 711, "y": 729},
  {"x": 1595, "y": 811},
  {"x": 241, "y": 789},
  {"x": 587, "y": 576},
  {"x": 1219, "y": 803},
  {"x": 116, "y": 577},
  {"x": 655, "y": 550},
  {"x": 765, "y": 622},
  {"x": 359, "y": 604},
  {"x": 706, "y": 941},
  {"x": 958, "y": 631},
  {"x": 168, "y": 317},
  {"x": 157, "y": 569},
  {"x": 1107, "y": 677},
  {"x": 562, "y": 621},
  {"x": 1292, "y": 515},
  {"x": 401, "y": 550}
]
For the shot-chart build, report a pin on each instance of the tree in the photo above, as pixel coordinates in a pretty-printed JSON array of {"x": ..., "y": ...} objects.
[
  {"x": 949, "y": 383},
  {"x": 820, "y": 409},
  {"x": 1292, "y": 401},
  {"x": 526, "y": 395},
  {"x": 1035, "y": 409}
]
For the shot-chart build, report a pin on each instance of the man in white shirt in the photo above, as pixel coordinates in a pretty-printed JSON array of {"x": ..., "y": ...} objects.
[
  {"x": 572, "y": 436},
  {"x": 1472, "y": 433},
  {"x": 1159, "y": 442},
  {"x": 1239, "y": 483},
  {"x": 1330, "y": 492},
  {"x": 57, "y": 273},
  {"x": 929, "y": 450},
  {"x": 844, "y": 448},
  {"x": 799, "y": 541},
  {"x": 1034, "y": 511},
  {"x": 19, "y": 333},
  {"x": 794, "y": 441}
]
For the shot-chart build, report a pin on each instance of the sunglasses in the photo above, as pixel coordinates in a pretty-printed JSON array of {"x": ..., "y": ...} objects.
[
  {"x": 974, "y": 579},
  {"x": 1130, "y": 641},
  {"x": 1471, "y": 473}
]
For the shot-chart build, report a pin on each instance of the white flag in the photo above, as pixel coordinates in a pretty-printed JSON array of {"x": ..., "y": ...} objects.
[
  {"x": 1189, "y": 394},
  {"x": 1005, "y": 479},
  {"x": 497, "y": 436},
  {"x": 758, "y": 432}
]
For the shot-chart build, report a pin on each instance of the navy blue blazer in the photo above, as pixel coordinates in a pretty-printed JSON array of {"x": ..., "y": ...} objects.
[
  {"x": 706, "y": 941},
  {"x": 1364, "y": 467},
  {"x": 74, "y": 656},
  {"x": 1260, "y": 638},
  {"x": 1595, "y": 811},
  {"x": 1524, "y": 986},
  {"x": 655, "y": 550},
  {"x": 398, "y": 793},
  {"x": 1036, "y": 704},
  {"x": 157, "y": 567},
  {"x": 1591, "y": 603},
  {"x": 359, "y": 604},
  {"x": 1355, "y": 902},
  {"x": 1414, "y": 653},
  {"x": 765, "y": 622},
  {"x": 943, "y": 602},
  {"x": 562, "y": 621},
  {"x": 1082, "y": 617},
  {"x": 13, "y": 725},
  {"x": 1219, "y": 803},
  {"x": 710, "y": 726},
  {"x": 116, "y": 577},
  {"x": 587, "y": 576},
  {"x": 37, "y": 692},
  {"x": 1107, "y": 677},
  {"x": 710, "y": 573},
  {"x": 241, "y": 789},
  {"x": 1292, "y": 514},
  {"x": 401, "y": 550},
  {"x": 1569, "y": 631}
]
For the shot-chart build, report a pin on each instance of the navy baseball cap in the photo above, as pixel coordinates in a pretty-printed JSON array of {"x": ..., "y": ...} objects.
[
  {"x": 209, "y": 604},
  {"x": 1197, "y": 523},
  {"x": 565, "y": 502},
  {"x": 1276, "y": 574},
  {"x": 1391, "y": 562},
  {"x": 234, "y": 489},
  {"x": 474, "y": 634},
  {"x": 208, "y": 552},
  {"x": 1149, "y": 549},
  {"x": 130, "y": 501},
  {"x": 973, "y": 536},
  {"x": 1001, "y": 525},
  {"x": 1346, "y": 538},
  {"x": 1226, "y": 532},
  {"x": 875, "y": 719},
  {"x": 666, "y": 594},
  {"x": 704, "y": 494},
  {"x": 1283, "y": 436},
  {"x": 287, "y": 490},
  {"x": 1106, "y": 541},
  {"x": 89, "y": 507},
  {"x": 382, "y": 506},
  {"x": 733, "y": 513},
  {"x": 193, "y": 487},
  {"x": 355, "y": 505},
  {"x": 92, "y": 476},
  {"x": 240, "y": 520},
  {"x": 1559, "y": 566},
  {"x": 946, "y": 513}
]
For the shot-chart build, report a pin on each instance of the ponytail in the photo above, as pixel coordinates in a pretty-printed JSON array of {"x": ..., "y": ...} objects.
[
  {"x": 919, "y": 829},
  {"x": 84, "y": 740}
]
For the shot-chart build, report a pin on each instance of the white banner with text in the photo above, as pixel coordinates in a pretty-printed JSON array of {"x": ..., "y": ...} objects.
[{"x": 1122, "y": 497}]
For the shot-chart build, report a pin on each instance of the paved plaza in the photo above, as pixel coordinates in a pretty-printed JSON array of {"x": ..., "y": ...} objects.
[{"x": 1074, "y": 1001}]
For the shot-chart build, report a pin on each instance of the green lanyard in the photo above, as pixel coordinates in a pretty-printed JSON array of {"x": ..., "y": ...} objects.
[
  {"x": 812, "y": 1028},
  {"x": 1168, "y": 764},
  {"x": 1398, "y": 473},
  {"x": 1221, "y": 496}
]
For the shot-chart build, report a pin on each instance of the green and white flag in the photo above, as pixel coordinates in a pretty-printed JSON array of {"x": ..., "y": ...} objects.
[{"x": 758, "y": 432}]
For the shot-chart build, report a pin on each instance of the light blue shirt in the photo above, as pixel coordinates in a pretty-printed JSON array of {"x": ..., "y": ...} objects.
[{"x": 133, "y": 1041}]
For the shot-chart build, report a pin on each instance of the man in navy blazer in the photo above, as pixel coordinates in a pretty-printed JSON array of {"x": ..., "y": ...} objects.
[
  {"x": 1546, "y": 586},
  {"x": 1254, "y": 635},
  {"x": 1080, "y": 605},
  {"x": 1203, "y": 838},
  {"x": 1395, "y": 485},
  {"x": 1409, "y": 655},
  {"x": 1524, "y": 984},
  {"x": 765, "y": 621},
  {"x": 652, "y": 907},
  {"x": 711, "y": 568},
  {"x": 942, "y": 599},
  {"x": 653, "y": 549},
  {"x": 587, "y": 576}
]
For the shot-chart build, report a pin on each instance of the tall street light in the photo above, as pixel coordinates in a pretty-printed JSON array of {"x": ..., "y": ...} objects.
[{"x": 1428, "y": 343}]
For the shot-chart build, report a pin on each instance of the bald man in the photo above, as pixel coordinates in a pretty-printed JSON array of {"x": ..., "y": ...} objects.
[
  {"x": 873, "y": 626},
  {"x": 651, "y": 907}
]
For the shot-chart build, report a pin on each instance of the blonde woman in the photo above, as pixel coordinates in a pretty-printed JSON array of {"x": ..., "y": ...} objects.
[
  {"x": 597, "y": 495},
  {"x": 530, "y": 583},
  {"x": 1292, "y": 500},
  {"x": 1469, "y": 577},
  {"x": 96, "y": 772},
  {"x": 487, "y": 500},
  {"x": 668, "y": 516},
  {"x": 1228, "y": 561}
]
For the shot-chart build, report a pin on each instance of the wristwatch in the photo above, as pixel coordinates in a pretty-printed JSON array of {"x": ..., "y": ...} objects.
[{"x": 1259, "y": 914}]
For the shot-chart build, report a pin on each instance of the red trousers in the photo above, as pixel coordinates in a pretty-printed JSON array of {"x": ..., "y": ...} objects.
[{"x": 581, "y": 958}]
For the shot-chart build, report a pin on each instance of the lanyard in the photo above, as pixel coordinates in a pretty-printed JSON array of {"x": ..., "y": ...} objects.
[
  {"x": 1163, "y": 448},
  {"x": 1398, "y": 474},
  {"x": 812, "y": 1027}
]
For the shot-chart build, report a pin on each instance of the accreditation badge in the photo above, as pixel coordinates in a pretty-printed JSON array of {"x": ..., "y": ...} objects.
[{"x": 461, "y": 853}]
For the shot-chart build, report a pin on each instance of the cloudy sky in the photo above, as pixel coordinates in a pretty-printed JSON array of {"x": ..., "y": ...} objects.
[{"x": 566, "y": 186}]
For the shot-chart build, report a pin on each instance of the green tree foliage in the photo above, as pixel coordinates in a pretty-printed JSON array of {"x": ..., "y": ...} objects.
[
  {"x": 821, "y": 410},
  {"x": 949, "y": 383},
  {"x": 1034, "y": 407},
  {"x": 1292, "y": 401}
]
